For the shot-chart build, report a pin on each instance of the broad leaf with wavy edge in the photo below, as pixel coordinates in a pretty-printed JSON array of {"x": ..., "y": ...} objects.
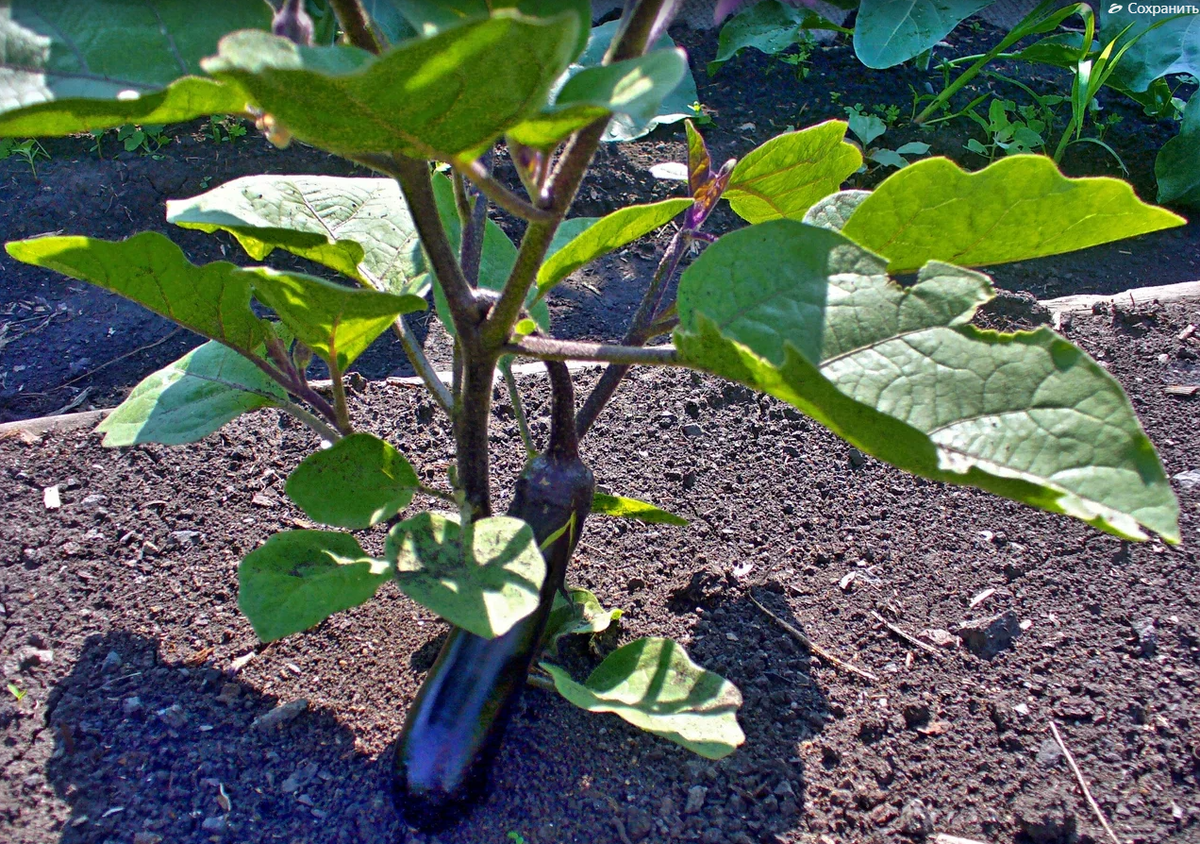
[
  {"x": 1174, "y": 47},
  {"x": 68, "y": 66},
  {"x": 213, "y": 300},
  {"x": 610, "y": 232},
  {"x": 786, "y": 175},
  {"x": 901, "y": 374},
  {"x": 484, "y": 579},
  {"x": 360, "y": 227},
  {"x": 190, "y": 398},
  {"x": 298, "y": 578},
  {"x": 337, "y": 322},
  {"x": 1177, "y": 166},
  {"x": 437, "y": 97},
  {"x": 654, "y": 685},
  {"x": 1019, "y": 208},
  {"x": 356, "y": 483},
  {"x": 888, "y": 32}
]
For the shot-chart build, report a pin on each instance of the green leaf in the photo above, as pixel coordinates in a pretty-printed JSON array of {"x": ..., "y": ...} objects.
[
  {"x": 213, "y": 300},
  {"x": 359, "y": 227},
  {"x": 484, "y": 582},
  {"x": 1173, "y": 47},
  {"x": 68, "y": 67},
  {"x": 901, "y": 374},
  {"x": 635, "y": 88},
  {"x": 610, "y": 232},
  {"x": 769, "y": 27},
  {"x": 190, "y": 398},
  {"x": 631, "y": 508},
  {"x": 298, "y": 578},
  {"x": 888, "y": 33},
  {"x": 496, "y": 262},
  {"x": 1019, "y": 208},
  {"x": 674, "y": 107},
  {"x": 357, "y": 483},
  {"x": 584, "y": 614},
  {"x": 438, "y": 97},
  {"x": 1178, "y": 164},
  {"x": 331, "y": 319},
  {"x": 652, "y": 684},
  {"x": 790, "y": 172},
  {"x": 432, "y": 16},
  {"x": 833, "y": 211}
]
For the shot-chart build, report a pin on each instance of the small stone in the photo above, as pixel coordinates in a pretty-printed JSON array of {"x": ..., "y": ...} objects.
[
  {"x": 112, "y": 662},
  {"x": 280, "y": 715},
  {"x": 916, "y": 819},
  {"x": 692, "y": 408},
  {"x": 172, "y": 716},
  {"x": 1147, "y": 637},
  {"x": 183, "y": 539},
  {"x": 784, "y": 789},
  {"x": 93, "y": 501},
  {"x": 638, "y": 823},
  {"x": 1043, "y": 816},
  {"x": 693, "y": 430},
  {"x": 857, "y": 458},
  {"x": 145, "y": 837},
  {"x": 51, "y": 500},
  {"x": 131, "y": 705},
  {"x": 695, "y": 799},
  {"x": 230, "y": 692},
  {"x": 30, "y": 657},
  {"x": 986, "y": 637},
  {"x": 915, "y": 714},
  {"x": 262, "y": 499},
  {"x": 1049, "y": 755},
  {"x": 1188, "y": 480},
  {"x": 214, "y": 824}
]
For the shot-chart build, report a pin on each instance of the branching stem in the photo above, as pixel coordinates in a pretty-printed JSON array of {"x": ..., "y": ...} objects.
[
  {"x": 500, "y": 195},
  {"x": 420, "y": 363},
  {"x": 312, "y": 422},
  {"x": 356, "y": 24},
  {"x": 514, "y": 397}
]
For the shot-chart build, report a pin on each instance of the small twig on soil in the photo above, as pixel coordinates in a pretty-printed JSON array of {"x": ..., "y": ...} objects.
[
  {"x": 807, "y": 643},
  {"x": 73, "y": 403},
  {"x": 1082, "y": 783},
  {"x": 539, "y": 682},
  {"x": 96, "y": 369},
  {"x": 907, "y": 637}
]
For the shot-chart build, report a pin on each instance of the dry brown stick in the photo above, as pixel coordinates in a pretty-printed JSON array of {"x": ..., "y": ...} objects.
[
  {"x": 1083, "y": 784},
  {"x": 907, "y": 637},
  {"x": 808, "y": 644}
]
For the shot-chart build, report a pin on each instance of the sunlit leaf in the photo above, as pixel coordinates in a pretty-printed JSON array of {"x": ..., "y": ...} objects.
[{"x": 358, "y": 482}]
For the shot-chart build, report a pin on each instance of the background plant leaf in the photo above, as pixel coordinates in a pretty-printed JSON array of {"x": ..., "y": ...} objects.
[
  {"x": 583, "y": 614},
  {"x": 610, "y": 232},
  {"x": 1019, "y": 208},
  {"x": 621, "y": 507},
  {"x": 358, "y": 482},
  {"x": 213, "y": 300},
  {"x": 298, "y": 578},
  {"x": 769, "y": 27},
  {"x": 68, "y": 66},
  {"x": 331, "y": 319},
  {"x": 652, "y": 684},
  {"x": 1173, "y": 47},
  {"x": 888, "y": 32},
  {"x": 833, "y": 211},
  {"x": 360, "y": 227},
  {"x": 190, "y": 398},
  {"x": 484, "y": 583},
  {"x": 786, "y": 175},
  {"x": 451, "y": 93},
  {"x": 899, "y": 373},
  {"x": 1177, "y": 166}
]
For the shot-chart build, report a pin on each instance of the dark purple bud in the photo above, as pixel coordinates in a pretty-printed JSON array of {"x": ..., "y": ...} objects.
[{"x": 293, "y": 23}]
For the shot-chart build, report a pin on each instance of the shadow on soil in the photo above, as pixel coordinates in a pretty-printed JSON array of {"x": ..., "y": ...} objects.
[{"x": 150, "y": 751}]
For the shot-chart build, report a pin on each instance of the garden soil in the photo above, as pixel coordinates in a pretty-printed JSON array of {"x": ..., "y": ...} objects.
[{"x": 142, "y": 708}]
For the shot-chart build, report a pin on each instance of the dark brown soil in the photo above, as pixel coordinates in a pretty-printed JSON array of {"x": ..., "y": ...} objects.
[{"x": 119, "y": 627}]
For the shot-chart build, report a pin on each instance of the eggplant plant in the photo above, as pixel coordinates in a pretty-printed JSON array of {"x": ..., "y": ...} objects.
[{"x": 799, "y": 304}]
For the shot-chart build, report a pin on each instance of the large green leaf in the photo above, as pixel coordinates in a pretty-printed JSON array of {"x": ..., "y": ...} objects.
[
  {"x": 613, "y": 231},
  {"x": 899, "y": 373},
  {"x": 1173, "y": 47},
  {"x": 437, "y": 97},
  {"x": 635, "y": 88},
  {"x": 358, "y": 226},
  {"x": 337, "y": 322},
  {"x": 652, "y": 684},
  {"x": 889, "y": 32},
  {"x": 190, "y": 398},
  {"x": 212, "y": 300},
  {"x": 621, "y": 507},
  {"x": 770, "y": 27},
  {"x": 1178, "y": 164},
  {"x": 68, "y": 66},
  {"x": 357, "y": 483},
  {"x": 786, "y": 175},
  {"x": 495, "y": 263},
  {"x": 298, "y": 578},
  {"x": 1021, "y": 207},
  {"x": 432, "y": 16},
  {"x": 484, "y": 581}
]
